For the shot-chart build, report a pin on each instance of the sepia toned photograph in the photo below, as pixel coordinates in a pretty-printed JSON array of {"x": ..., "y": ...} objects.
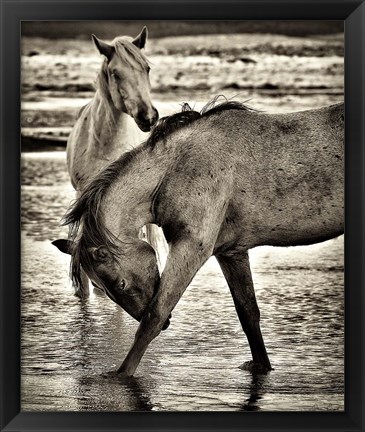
[{"x": 182, "y": 216}]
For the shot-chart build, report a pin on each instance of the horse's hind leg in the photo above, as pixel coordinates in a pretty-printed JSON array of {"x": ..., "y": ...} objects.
[{"x": 237, "y": 272}]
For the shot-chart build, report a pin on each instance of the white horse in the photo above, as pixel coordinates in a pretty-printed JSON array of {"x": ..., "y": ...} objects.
[{"x": 115, "y": 120}]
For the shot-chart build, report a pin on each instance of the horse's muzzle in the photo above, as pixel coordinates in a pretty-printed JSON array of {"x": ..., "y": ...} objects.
[
  {"x": 145, "y": 122},
  {"x": 145, "y": 127},
  {"x": 167, "y": 323}
]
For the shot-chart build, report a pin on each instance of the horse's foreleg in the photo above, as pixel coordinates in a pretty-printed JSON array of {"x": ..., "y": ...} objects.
[
  {"x": 183, "y": 262},
  {"x": 237, "y": 272}
]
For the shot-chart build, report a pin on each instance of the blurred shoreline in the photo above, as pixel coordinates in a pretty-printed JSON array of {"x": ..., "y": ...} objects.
[{"x": 163, "y": 28}]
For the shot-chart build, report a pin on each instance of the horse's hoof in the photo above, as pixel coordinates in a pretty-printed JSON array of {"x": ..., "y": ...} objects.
[
  {"x": 123, "y": 374},
  {"x": 256, "y": 368},
  {"x": 110, "y": 374},
  {"x": 115, "y": 375}
]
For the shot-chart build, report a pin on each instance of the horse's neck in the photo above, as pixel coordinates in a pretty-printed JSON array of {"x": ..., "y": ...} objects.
[
  {"x": 112, "y": 131},
  {"x": 128, "y": 203}
]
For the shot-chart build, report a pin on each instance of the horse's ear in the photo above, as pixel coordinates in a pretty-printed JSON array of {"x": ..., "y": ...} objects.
[
  {"x": 64, "y": 246},
  {"x": 140, "y": 40},
  {"x": 103, "y": 48},
  {"x": 100, "y": 254}
]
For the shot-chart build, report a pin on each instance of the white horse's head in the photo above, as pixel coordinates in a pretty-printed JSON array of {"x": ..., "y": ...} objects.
[{"x": 125, "y": 74}]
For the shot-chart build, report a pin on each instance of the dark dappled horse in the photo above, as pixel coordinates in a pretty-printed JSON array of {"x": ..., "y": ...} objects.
[
  {"x": 113, "y": 122},
  {"x": 219, "y": 183}
]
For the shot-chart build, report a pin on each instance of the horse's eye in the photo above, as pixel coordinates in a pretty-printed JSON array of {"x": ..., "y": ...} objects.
[
  {"x": 116, "y": 76},
  {"x": 121, "y": 286}
]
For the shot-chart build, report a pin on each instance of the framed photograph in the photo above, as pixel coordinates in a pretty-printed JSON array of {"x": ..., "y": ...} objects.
[{"x": 154, "y": 156}]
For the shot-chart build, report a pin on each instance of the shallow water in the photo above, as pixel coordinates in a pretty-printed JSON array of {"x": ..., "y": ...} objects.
[{"x": 69, "y": 347}]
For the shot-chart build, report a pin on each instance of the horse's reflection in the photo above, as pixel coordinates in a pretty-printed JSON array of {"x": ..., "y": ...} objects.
[
  {"x": 138, "y": 394},
  {"x": 105, "y": 391},
  {"x": 112, "y": 393},
  {"x": 256, "y": 389},
  {"x": 133, "y": 392}
]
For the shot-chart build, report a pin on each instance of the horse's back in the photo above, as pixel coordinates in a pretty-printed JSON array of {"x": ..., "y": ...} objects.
[
  {"x": 252, "y": 139},
  {"x": 242, "y": 130},
  {"x": 281, "y": 175},
  {"x": 289, "y": 177}
]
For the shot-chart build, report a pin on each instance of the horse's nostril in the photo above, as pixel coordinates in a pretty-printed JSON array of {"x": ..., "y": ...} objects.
[
  {"x": 148, "y": 118},
  {"x": 155, "y": 117},
  {"x": 142, "y": 117}
]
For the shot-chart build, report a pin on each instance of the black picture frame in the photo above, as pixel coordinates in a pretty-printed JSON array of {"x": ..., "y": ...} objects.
[{"x": 353, "y": 15}]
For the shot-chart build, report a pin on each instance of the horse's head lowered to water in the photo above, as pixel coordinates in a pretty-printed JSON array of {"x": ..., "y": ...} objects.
[
  {"x": 113, "y": 269},
  {"x": 126, "y": 270},
  {"x": 124, "y": 78}
]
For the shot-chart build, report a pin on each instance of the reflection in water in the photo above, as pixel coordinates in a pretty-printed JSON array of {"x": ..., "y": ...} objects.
[
  {"x": 68, "y": 347},
  {"x": 125, "y": 394},
  {"x": 257, "y": 390}
]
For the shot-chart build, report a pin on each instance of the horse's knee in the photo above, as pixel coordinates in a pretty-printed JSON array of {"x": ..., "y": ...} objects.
[
  {"x": 157, "y": 317},
  {"x": 154, "y": 320}
]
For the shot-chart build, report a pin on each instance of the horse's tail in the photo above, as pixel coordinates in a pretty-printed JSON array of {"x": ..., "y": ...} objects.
[{"x": 156, "y": 239}]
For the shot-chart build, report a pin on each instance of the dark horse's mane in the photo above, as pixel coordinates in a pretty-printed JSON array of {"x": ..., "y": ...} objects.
[
  {"x": 167, "y": 125},
  {"x": 85, "y": 210}
]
